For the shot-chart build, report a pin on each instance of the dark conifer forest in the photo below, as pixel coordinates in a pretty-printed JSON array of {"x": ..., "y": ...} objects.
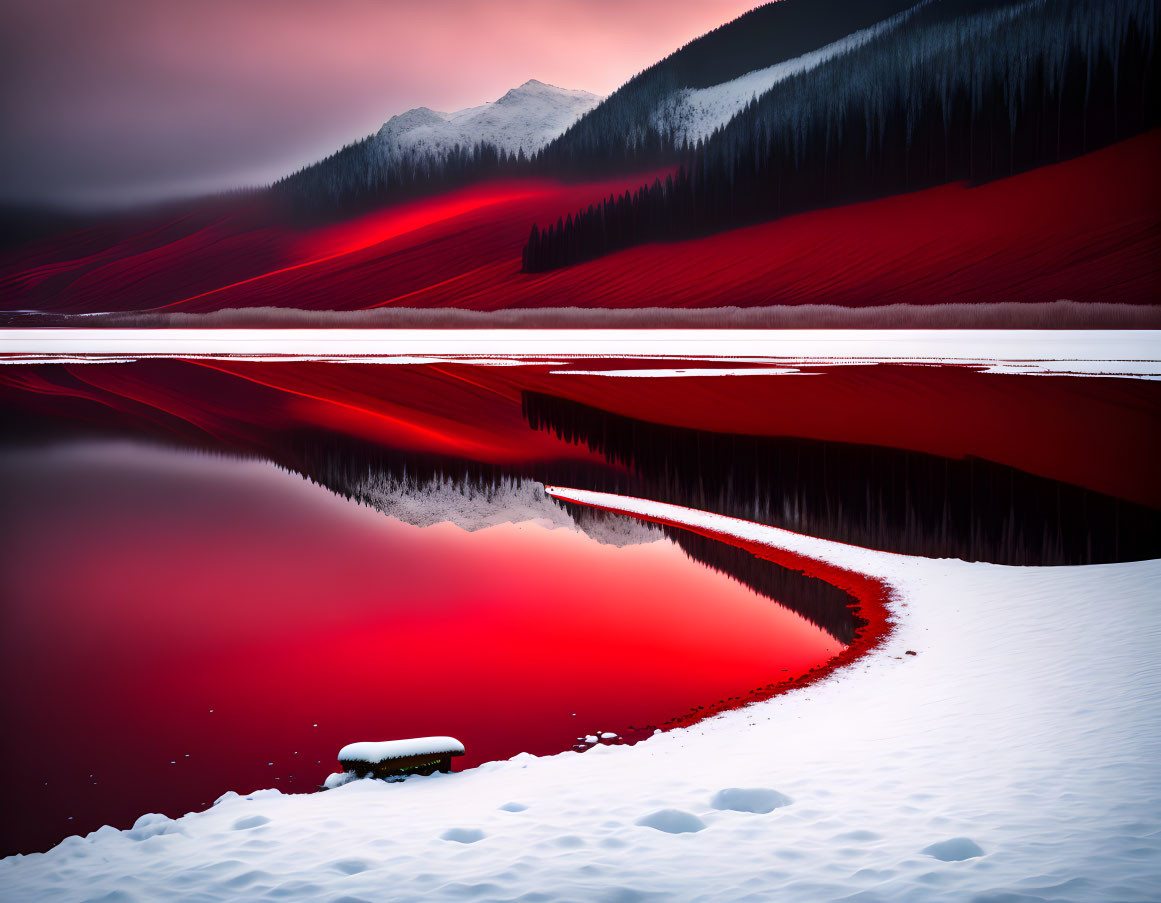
[
  {"x": 622, "y": 133},
  {"x": 940, "y": 91},
  {"x": 945, "y": 95},
  {"x": 362, "y": 176},
  {"x": 618, "y": 133}
]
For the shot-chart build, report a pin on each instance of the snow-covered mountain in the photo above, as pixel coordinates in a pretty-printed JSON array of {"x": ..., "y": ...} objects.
[
  {"x": 525, "y": 118},
  {"x": 693, "y": 113}
]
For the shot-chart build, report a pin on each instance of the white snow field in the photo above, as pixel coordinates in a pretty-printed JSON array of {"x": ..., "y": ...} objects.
[
  {"x": 1013, "y": 759},
  {"x": 525, "y": 118}
]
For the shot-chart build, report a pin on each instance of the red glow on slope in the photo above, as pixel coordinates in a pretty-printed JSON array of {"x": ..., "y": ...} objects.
[
  {"x": 1088, "y": 229},
  {"x": 243, "y": 259},
  {"x": 347, "y": 413},
  {"x": 375, "y": 228}
]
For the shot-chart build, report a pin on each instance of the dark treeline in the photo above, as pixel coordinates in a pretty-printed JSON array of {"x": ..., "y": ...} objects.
[
  {"x": 616, "y": 222},
  {"x": 368, "y": 174},
  {"x": 343, "y": 464},
  {"x": 883, "y": 498},
  {"x": 930, "y": 100},
  {"x": 951, "y": 89}
]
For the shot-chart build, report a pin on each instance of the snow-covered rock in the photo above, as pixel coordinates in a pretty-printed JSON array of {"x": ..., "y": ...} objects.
[
  {"x": 526, "y": 118},
  {"x": 382, "y": 750}
]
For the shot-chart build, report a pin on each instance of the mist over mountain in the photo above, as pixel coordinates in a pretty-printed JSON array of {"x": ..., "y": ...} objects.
[{"x": 794, "y": 108}]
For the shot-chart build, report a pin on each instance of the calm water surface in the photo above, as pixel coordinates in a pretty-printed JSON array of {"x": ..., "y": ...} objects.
[{"x": 176, "y": 625}]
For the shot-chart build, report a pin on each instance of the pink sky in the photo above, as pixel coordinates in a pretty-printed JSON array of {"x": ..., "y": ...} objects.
[{"x": 140, "y": 98}]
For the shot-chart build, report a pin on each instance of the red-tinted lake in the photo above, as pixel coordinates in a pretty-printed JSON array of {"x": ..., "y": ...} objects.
[{"x": 176, "y": 625}]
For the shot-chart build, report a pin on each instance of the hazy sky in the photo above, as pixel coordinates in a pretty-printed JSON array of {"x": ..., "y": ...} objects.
[{"x": 106, "y": 100}]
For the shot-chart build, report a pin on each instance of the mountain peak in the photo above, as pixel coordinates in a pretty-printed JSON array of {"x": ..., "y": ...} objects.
[
  {"x": 525, "y": 118},
  {"x": 535, "y": 88}
]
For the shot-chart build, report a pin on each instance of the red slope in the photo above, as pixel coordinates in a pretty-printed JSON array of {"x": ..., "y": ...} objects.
[
  {"x": 242, "y": 257},
  {"x": 1088, "y": 230}
]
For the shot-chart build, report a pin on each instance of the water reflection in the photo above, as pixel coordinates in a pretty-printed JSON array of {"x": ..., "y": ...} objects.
[
  {"x": 424, "y": 489},
  {"x": 876, "y": 496},
  {"x": 179, "y": 624}
]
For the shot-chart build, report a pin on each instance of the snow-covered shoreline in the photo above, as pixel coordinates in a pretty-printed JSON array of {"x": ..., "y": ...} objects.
[
  {"x": 1124, "y": 352},
  {"x": 1028, "y": 721}
]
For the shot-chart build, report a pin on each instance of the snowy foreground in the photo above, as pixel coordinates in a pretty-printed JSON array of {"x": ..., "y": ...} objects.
[{"x": 1024, "y": 735}]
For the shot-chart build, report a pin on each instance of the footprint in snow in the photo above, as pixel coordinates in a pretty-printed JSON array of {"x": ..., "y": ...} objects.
[
  {"x": 672, "y": 821},
  {"x": 955, "y": 850},
  {"x": 754, "y": 799},
  {"x": 463, "y": 835},
  {"x": 250, "y": 821},
  {"x": 350, "y": 866}
]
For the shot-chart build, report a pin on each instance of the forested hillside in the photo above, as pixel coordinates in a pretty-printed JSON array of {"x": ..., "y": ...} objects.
[
  {"x": 618, "y": 133},
  {"x": 946, "y": 95}
]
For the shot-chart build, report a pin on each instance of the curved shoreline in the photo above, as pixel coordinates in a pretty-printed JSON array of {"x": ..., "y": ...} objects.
[
  {"x": 1008, "y": 733},
  {"x": 870, "y": 594}
]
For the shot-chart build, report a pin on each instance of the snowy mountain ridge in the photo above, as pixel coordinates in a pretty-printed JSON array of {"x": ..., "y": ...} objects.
[
  {"x": 690, "y": 114},
  {"x": 526, "y": 118}
]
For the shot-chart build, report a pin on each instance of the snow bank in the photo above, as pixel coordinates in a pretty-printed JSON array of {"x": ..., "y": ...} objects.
[{"x": 1012, "y": 757}]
